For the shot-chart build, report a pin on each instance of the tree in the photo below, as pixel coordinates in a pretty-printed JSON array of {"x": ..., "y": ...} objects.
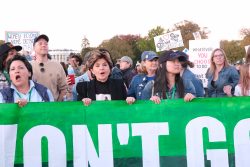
[
  {"x": 85, "y": 47},
  {"x": 117, "y": 47},
  {"x": 187, "y": 29},
  {"x": 1, "y": 42},
  {"x": 85, "y": 42},
  {"x": 85, "y": 50},
  {"x": 147, "y": 43},
  {"x": 132, "y": 40},
  {"x": 233, "y": 50},
  {"x": 245, "y": 33}
]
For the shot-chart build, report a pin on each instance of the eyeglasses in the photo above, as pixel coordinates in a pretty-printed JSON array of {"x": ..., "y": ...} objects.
[
  {"x": 42, "y": 69},
  {"x": 219, "y": 55}
]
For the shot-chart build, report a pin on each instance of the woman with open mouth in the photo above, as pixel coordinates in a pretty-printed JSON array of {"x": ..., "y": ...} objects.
[
  {"x": 102, "y": 87},
  {"x": 22, "y": 89}
]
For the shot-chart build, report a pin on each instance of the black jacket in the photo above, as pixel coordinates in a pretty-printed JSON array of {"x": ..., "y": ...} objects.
[
  {"x": 127, "y": 76},
  {"x": 86, "y": 89}
]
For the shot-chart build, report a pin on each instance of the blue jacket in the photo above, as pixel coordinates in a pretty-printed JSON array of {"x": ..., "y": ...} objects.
[
  {"x": 8, "y": 93},
  {"x": 227, "y": 76},
  {"x": 140, "y": 88},
  {"x": 192, "y": 84}
]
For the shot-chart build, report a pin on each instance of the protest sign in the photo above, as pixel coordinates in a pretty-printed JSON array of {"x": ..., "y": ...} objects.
[
  {"x": 200, "y": 53},
  {"x": 175, "y": 133},
  {"x": 246, "y": 47},
  {"x": 197, "y": 35},
  {"x": 22, "y": 38},
  {"x": 168, "y": 41}
]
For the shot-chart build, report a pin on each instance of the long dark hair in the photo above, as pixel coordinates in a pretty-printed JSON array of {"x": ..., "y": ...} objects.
[
  {"x": 161, "y": 82},
  {"x": 2, "y": 59}
]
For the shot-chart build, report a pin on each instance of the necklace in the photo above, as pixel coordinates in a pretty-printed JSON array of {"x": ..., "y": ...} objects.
[
  {"x": 171, "y": 94},
  {"x": 20, "y": 96}
]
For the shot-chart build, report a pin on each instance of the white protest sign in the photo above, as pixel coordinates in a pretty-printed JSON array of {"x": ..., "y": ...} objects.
[
  {"x": 200, "y": 53},
  {"x": 197, "y": 35},
  {"x": 246, "y": 47},
  {"x": 168, "y": 41},
  {"x": 22, "y": 38}
]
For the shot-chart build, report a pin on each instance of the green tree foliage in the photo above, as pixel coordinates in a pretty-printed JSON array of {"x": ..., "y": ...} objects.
[
  {"x": 245, "y": 33},
  {"x": 233, "y": 50},
  {"x": 187, "y": 29},
  {"x": 85, "y": 47},
  {"x": 132, "y": 40},
  {"x": 1, "y": 42},
  {"x": 118, "y": 48},
  {"x": 147, "y": 43},
  {"x": 86, "y": 50}
]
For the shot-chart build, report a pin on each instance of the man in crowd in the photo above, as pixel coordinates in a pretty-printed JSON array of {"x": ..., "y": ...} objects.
[
  {"x": 126, "y": 66},
  {"x": 47, "y": 72}
]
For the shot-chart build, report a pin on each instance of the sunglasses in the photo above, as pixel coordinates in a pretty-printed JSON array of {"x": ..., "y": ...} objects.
[{"x": 42, "y": 69}]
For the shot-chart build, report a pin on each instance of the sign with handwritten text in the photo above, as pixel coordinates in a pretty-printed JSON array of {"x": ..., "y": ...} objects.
[
  {"x": 22, "y": 38},
  {"x": 168, "y": 41}
]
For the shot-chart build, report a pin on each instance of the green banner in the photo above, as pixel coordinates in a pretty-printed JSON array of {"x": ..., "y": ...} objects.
[{"x": 204, "y": 132}]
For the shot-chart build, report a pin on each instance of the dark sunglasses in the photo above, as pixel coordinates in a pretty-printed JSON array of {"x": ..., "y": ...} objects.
[{"x": 42, "y": 69}]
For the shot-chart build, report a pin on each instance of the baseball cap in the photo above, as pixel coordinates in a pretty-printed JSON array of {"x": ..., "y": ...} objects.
[
  {"x": 172, "y": 55},
  {"x": 4, "y": 48},
  {"x": 148, "y": 55},
  {"x": 127, "y": 59},
  {"x": 42, "y": 36}
]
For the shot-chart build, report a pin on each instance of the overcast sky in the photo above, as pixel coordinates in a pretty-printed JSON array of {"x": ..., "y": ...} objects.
[{"x": 66, "y": 22}]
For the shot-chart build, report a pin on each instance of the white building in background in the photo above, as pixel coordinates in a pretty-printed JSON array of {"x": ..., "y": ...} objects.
[{"x": 61, "y": 55}]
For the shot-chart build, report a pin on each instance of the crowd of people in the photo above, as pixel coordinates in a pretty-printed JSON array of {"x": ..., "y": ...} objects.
[{"x": 156, "y": 77}]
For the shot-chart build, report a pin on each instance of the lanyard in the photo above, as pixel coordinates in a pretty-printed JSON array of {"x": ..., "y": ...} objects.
[
  {"x": 6, "y": 76},
  {"x": 173, "y": 92},
  {"x": 18, "y": 94}
]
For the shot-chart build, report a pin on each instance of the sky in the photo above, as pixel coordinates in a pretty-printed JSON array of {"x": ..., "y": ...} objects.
[{"x": 67, "y": 22}]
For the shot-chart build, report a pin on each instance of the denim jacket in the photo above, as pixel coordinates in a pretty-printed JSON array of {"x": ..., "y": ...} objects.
[
  {"x": 227, "y": 76},
  {"x": 140, "y": 88},
  {"x": 192, "y": 84}
]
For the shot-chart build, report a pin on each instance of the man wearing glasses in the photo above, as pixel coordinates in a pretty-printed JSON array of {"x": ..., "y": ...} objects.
[{"x": 47, "y": 72}]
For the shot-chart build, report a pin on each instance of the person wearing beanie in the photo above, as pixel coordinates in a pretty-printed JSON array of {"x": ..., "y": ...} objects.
[{"x": 126, "y": 67}]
